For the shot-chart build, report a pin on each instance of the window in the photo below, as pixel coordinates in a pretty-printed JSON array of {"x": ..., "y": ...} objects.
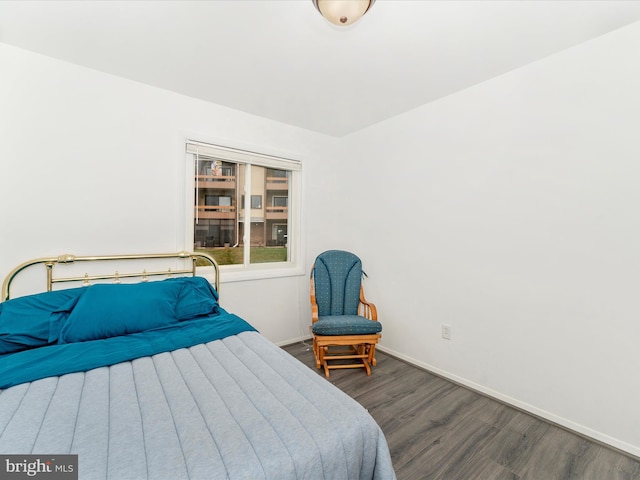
[
  {"x": 217, "y": 200},
  {"x": 230, "y": 220},
  {"x": 256, "y": 201},
  {"x": 280, "y": 201}
]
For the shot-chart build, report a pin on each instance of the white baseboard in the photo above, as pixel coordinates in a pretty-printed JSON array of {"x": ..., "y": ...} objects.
[
  {"x": 548, "y": 416},
  {"x": 302, "y": 338}
]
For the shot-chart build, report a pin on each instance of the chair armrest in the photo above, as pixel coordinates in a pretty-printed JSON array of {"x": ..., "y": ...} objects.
[
  {"x": 367, "y": 309},
  {"x": 314, "y": 304}
]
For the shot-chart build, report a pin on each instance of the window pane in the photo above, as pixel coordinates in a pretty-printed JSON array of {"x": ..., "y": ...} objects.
[
  {"x": 216, "y": 210},
  {"x": 269, "y": 227}
]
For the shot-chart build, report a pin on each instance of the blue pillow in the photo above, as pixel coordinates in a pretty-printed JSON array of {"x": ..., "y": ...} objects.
[
  {"x": 25, "y": 322},
  {"x": 197, "y": 298},
  {"x": 111, "y": 310}
]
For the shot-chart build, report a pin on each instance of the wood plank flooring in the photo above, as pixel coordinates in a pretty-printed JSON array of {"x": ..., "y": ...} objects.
[{"x": 437, "y": 430}]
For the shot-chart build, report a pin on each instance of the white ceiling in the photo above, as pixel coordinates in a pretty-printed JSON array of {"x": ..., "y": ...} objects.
[{"x": 281, "y": 60}]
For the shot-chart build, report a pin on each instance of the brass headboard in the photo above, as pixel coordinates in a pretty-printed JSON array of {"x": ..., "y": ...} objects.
[{"x": 201, "y": 259}]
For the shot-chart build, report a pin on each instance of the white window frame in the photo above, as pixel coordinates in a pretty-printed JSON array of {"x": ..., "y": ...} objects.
[{"x": 251, "y": 271}]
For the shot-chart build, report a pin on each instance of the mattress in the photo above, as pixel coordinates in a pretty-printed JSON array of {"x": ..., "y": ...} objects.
[{"x": 237, "y": 407}]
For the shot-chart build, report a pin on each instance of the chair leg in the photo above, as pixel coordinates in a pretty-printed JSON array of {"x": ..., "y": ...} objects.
[
  {"x": 323, "y": 360},
  {"x": 316, "y": 352},
  {"x": 372, "y": 354},
  {"x": 367, "y": 366}
]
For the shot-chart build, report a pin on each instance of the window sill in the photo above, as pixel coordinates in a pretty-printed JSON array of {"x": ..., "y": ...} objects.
[{"x": 229, "y": 273}]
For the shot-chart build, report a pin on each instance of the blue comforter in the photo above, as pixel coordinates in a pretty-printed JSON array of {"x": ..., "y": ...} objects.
[
  {"x": 59, "y": 359},
  {"x": 187, "y": 391}
]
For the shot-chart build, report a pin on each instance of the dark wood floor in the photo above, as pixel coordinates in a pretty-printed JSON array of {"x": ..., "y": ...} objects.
[{"x": 437, "y": 430}]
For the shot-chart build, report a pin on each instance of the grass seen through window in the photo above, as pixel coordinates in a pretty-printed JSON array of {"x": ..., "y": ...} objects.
[{"x": 235, "y": 256}]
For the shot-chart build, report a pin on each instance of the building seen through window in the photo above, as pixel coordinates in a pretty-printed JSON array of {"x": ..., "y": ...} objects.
[{"x": 231, "y": 225}]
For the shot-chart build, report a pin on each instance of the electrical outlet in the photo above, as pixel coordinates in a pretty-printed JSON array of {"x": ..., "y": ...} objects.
[{"x": 446, "y": 332}]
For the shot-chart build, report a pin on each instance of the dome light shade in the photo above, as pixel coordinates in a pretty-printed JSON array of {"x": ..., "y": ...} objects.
[{"x": 343, "y": 12}]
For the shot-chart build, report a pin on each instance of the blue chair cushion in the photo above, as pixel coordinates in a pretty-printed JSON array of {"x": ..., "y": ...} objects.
[
  {"x": 337, "y": 276},
  {"x": 345, "y": 325}
]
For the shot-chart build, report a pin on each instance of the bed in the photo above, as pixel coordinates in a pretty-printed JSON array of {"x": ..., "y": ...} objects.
[{"x": 155, "y": 380}]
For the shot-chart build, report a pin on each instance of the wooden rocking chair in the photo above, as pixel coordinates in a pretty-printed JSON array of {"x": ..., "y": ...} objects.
[{"x": 344, "y": 325}]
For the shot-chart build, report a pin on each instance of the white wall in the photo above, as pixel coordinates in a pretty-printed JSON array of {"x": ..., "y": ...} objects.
[
  {"x": 509, "y": 211},
  {"x": 93, "y": 164}
]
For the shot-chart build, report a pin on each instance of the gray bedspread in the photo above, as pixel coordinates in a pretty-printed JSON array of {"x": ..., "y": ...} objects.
[{"x": 237, "y": 408}]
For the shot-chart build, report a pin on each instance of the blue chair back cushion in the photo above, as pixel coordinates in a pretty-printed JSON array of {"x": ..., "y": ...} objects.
[
  {"x": 337, "y": 275},
  {"x": 345, "y": 325}
]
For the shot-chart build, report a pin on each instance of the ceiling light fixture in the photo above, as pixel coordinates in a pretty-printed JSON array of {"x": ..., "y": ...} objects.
[{"x": 343, "y": 12}]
